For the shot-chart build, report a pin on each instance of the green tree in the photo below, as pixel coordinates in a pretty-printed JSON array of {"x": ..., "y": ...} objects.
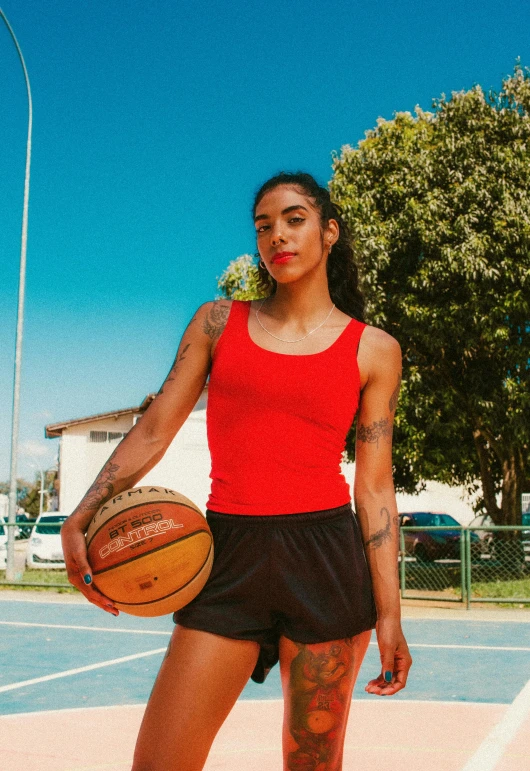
[
  {"x": 23, "y": 488},
  {"x": 439, "y": 208},
  {"x": 240, "y": 279},
  {"x": 31, "y": 502}
]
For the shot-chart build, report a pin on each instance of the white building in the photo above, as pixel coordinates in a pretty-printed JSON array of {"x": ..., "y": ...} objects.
[{"x": 86, "y": 444}]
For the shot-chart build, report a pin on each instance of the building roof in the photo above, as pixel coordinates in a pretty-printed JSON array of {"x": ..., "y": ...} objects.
[
  {"x": 56, "y": 429},
  {"x": 53, "y": 430}
]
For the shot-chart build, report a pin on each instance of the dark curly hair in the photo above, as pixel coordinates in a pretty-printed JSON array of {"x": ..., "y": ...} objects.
[{"x": 342, "y": 270}]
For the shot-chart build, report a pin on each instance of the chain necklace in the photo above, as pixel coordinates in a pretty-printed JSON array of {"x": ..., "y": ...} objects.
[{"x": 300, "y": 338}]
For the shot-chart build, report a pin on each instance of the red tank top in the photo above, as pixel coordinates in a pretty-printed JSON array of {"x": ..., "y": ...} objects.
[{"x": 277, "y": 423}]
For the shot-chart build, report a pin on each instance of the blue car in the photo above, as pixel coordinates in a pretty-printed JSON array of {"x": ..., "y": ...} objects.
[{"x": 430, "y": 545}]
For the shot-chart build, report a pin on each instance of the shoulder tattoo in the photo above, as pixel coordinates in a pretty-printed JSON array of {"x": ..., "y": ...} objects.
[{"x": 215, "y": 320}]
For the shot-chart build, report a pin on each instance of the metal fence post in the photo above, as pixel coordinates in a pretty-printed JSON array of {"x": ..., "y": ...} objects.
[
  {"x": 463, "y": 585},
  {"x": 402, "y": 562},
  {"x": 468, "y": 569}
]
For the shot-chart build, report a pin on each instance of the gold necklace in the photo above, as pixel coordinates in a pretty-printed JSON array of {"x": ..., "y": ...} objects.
[{"x": 291, "y": 341}]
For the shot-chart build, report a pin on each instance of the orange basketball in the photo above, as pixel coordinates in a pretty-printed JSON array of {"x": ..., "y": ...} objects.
[{"x": 150, "y": 550}]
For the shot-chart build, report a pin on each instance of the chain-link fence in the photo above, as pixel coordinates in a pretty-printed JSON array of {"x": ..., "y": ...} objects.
[
  {"x": 461, "y": 564},
  {"x": 456, "y": 564},
  {"x": 33, "y": 570}
]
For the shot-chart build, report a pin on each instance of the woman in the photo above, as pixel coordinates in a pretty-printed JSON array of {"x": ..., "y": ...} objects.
[{"x": 298, "y": 576}]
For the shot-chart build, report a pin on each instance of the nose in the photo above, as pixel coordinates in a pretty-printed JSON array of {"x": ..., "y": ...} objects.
[{"x": 276, "y": 237}]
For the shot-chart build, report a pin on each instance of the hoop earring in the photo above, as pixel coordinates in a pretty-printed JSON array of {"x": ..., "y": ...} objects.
[{"x": 262, "y": 264}]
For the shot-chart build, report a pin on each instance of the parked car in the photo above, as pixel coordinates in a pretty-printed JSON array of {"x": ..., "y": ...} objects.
[
  {"x": 526, "y": 533},
  {"x": 485, "y": 536},
  {"x": 25, "y": 524},
  {"x": 488, "y": 537},
  {"x": 430, "y": 545},
  {"x": 3, "y": 545},
  {"x": 44, "y": 547}
]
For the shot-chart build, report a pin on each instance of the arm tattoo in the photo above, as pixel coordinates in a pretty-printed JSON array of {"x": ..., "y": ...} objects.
[
  {"x": 378, "y": 429},
  {"x": 215, "y": 321},
  {"x": 319, "y": 691},
  {"x": 173, "y": 371},
  {"x": 102, "y": 489},
  {"x": 380, "y": 536},
  {"x": 392, "y": 404}
]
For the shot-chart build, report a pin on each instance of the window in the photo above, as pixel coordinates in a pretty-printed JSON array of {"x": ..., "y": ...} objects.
[
  {"x": 106, "y": 436},
  {"x": 97, "y": 436}
]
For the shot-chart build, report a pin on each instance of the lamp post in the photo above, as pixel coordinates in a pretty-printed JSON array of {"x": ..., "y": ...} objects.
[{"x": 10, "y": 567}]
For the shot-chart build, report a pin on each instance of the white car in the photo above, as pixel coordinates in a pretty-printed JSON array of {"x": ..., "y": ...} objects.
[
  {"x": 44, "y": 546},
  {"x": 3, "y": 545}
]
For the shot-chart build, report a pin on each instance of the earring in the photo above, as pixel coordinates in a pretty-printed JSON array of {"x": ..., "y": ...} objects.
[
  {"x": 330, "y": 248},
  {"x": 262, "y": 264}
]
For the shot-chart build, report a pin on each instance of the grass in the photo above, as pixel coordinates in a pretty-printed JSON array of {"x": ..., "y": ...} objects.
[
  {"x": 512, "y": 588},
  {"x": 36, "y": 576}
]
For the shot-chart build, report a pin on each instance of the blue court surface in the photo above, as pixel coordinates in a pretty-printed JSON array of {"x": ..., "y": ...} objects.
[
  {"x": 67, "y": 655},
  {"x": 458, "y": 660}
]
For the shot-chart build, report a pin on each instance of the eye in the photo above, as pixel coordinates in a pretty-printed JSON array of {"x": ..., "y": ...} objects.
[
  {"x": 260, "y": 229},
  {"x": 297, "y": 219}
]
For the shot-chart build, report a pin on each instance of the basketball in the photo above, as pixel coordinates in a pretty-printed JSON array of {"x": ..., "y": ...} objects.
[{"x": 150, "y": 550}]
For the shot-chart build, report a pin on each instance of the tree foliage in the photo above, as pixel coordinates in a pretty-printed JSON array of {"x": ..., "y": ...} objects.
[
  {"x": 240, "y": 279},
  {"x": 439, "y": 208}
]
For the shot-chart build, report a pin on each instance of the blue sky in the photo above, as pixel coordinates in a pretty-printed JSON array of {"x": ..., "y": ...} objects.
[{"x": 154, "y": 124}]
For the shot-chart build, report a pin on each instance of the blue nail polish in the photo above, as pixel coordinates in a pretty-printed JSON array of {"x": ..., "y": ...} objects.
[
  {"x": 87, "y": 579},
  {"x": 388, "y": 676}
]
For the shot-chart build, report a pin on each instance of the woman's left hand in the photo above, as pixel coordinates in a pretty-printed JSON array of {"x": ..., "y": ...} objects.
[{"x": 395, "y": 658}]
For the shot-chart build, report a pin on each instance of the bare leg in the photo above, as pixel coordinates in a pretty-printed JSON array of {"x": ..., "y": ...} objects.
[
  {"x": 318, "y": 682},
  {"x": 198, "y": 683}
]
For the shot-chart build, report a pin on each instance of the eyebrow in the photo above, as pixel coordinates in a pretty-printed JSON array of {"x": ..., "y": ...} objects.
[{"x": 285, "y": 211}]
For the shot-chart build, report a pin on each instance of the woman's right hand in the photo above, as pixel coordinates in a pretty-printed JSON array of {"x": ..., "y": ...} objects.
[{"x": 77, "y": 567}]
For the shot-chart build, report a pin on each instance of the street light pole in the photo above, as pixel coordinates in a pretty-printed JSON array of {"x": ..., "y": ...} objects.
[
  {"x": 10, "y": 567},
  {"x": 41, "y": 492}
]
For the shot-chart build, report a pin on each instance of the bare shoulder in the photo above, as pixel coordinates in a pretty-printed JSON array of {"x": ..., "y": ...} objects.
[
  {"x": 212, "y": 316},
  {"x": 379, "y": 355}
]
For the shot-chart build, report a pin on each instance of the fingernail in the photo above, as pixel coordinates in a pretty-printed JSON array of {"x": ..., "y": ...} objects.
[
  {"x": 87, "y": 579},
  {"x": 388, "y": 676}
]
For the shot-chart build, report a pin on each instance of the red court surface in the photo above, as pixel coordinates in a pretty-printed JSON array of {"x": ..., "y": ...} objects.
[{"x": 384, "y": 735}]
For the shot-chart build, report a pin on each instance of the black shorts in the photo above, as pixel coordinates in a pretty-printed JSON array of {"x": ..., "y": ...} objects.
[{"x": 304, "y": 576}]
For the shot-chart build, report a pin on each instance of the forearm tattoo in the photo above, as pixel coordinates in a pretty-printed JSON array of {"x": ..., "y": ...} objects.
[
  {"x": 392, "y": 404},
  {"x": 319, "y": 689},
  {"x": 102, "y": 489},
  {"x": 215, "y": 321},
  {"x": 379, "y": 428},
  {"x": 384, "y": 534}
]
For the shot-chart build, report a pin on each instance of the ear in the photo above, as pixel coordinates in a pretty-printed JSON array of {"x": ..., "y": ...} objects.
[{"x": 331, "y": 232}]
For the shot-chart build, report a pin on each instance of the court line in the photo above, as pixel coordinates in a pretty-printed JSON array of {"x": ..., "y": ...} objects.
[
  {"x": 279, "y": 702},
  {"x": 78, "y": 670},
  {"x": 492, "y": 748},
  {"x": 153, "y": 632},
  {"x": 467, "y": 647},
  {"x": 84, "y": 628}
]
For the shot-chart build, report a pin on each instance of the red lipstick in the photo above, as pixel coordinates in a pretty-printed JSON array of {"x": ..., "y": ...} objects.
[{"x": 282, "y": 257}]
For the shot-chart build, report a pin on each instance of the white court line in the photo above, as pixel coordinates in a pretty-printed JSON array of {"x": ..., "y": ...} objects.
[
  {"x": 467, "y": 647},
  {"x": 84, "y": 628},
  {"x": 67, "y": 672},
  {"x": 492, "y": 748},
  {"x": 149, "y": 631},
  {"x": 278, "y": 702}
]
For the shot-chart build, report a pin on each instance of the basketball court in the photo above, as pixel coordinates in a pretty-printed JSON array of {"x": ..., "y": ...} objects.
[{"x": 75, "y": 680}]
